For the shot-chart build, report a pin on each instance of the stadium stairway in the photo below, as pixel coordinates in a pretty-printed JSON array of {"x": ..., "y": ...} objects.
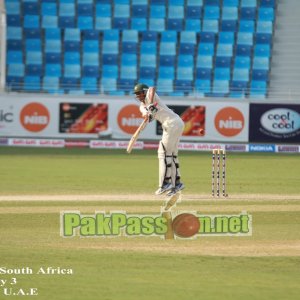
[{"x": 285, "y": 66}]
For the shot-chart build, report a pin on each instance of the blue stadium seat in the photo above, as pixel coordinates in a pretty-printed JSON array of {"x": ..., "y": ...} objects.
[
  {"x": 205, "y": 61},
  {"x": 72, "y": 46},
  {"x": 211, "y": 12},
  {"x": 14, "y": 45},
  {"x": 167, "y": 48},
  {"x": 91, "y": 34},
  {"x": 130, "y": 36},
  {"x": 210, "y": 26},
  {"x": 186, "y": 49},
  {"x": 157, "y": 11},
  {"x": 121, "y": 10},
  {"x": 121, "y": 23},
  {"x": 14, "y": 33},
  {"x": 49, "y": 22},
  {"x": 166, "y": 72},
  {"x": 169, "y": 36},
  {"x": 147, "y": 60},
  {"x": 129, "y": 47},
  {"x": 203, "y": 87},
  {"x": 128, "y": 59},
  {"x": 240, "y": 74},
  {"x": 243, "y": 50},
  {"x": 33, "y": 58},
  {"x": 52, "y": 34},
  {"x": 68, "y": 84},
  {"x": 85, "y": 22},
  {"x": 13, "y": 20},
  {"x": 220, "y": 88},
  {"x": 184, "y": 73},
  {"x": 248, "y": 13},
  {"x": 139, "y": 11},
  {"x": 267, "y": 3},
  {"x": 139, "y": 24},
  {"x": 32, "y": 83},
  {"x": 33, "y": 70},
  {"x": 33, "y": 45},
  {"x": 53, "y": 70},
  {"x": 229, "y": 25},
  {"x": 108, "y": 85},
  {"x": 72, "y": 71},
  {"x": 264, "y": 27},
  {"x": 13, "y": 8},
  {"x": 238, "y": 89},
  {"x": 192, "y": 25},
  {"x": 182, "y": 87},
  {"x": 90, "y": 46},
  {"x": 14, "y": 57},
  {"x": 245, "y": 38},
  {"x": 53, "y": 58},
  {"x": 223, "y": 62},
  {"x": 110, "y": 47},
  {"x": 194, "y": 12},
  {"x": 175, "y": 11},
  {"x": 225, "y": 50},
  {"x": 49, "y": 9},
  {"x": 90, "y": 59},
  {"x": 147, "y": 72},
  {"x": 222, "y": 74},
  {"x": 103, "y": 10},
  {"x": 110, "y": 59},
  {"x": 128, "y": 72},
  {"x": 188, "y": 37},
  {"x": 89, "y": 85},
  {"x": 72, "y": 58},
  {"x": 263, "y": 50},
  {"x": 266, "y": 14},
  {"x": 207, "y": 37},
  {"x": 72, "y": 34},
  {"x": 31, "y": 21},
  {"x": 176, "y": 2},
  {"x": 248, "y": 3},
  {"x": 90, "y": 71},
  {"x": 206, "y": 49},
  {"x": 242, "y": 62},
  {"x": 125, "y": 85},
  {"x": 50, "y": 84},
  {"x": 111, "y": 35},
  {"x": 261, "y": 63},
  {"x": 31, "y": 8},
  {"x": 167, "y": 60},
  {"x": 103, "y": 23},
  {"x": 203, "y": 73},
  {"x": 84, "y": 9},
  {"x": 232, "y": 3},
  {"x": 110, "y": 71},
  {"x": 185, "y": 61},
  {"x": 175, "y": 24},
  {"x": 226, "y": 37},
  {"x": 258, "y": 89},
  {"x": 66, "y": 9},
  {"x": 149, "y": 36},
  {"x": 247, "y": 26},
  {"x": 66, "y": 22},
  {"x": 148, "y": 47},
  {"x": 263, "y": 38},
  {"x": 165, "y": 86},
  {"x": 229, "y": 13}
]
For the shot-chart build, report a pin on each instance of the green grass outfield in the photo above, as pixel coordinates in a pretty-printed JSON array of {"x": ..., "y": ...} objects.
[{"x": 37, "y": 184}]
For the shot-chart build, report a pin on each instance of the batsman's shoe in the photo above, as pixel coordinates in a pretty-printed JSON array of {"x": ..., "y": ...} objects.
[
  {"x": 179, "y": 187},
  {"x": 164, "y": 189}
]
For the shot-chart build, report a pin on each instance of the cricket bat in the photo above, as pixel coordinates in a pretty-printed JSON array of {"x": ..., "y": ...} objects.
[{"x": 136, "y": 135}]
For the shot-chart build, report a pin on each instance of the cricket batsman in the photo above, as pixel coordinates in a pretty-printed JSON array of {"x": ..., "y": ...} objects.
[{"x": 152, "y": 108}]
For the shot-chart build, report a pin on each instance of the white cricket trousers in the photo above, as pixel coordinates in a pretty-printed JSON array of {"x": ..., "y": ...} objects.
[{"x": 168, "y": 151}]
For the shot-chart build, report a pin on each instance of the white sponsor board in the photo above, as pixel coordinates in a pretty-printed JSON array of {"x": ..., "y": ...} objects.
[{"x": 42, "y": 116}]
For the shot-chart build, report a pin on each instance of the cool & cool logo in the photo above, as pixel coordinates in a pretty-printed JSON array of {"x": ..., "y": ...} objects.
[{"x": 280, "y": 120}]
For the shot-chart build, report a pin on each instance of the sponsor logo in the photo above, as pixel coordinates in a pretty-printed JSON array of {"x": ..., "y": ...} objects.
[
  {"x": 34, "y": 117},
  {"x": 129, "y": 118},
  {"x": 280, "y": 120},
  {"x": 6, "y": 117},
  {"x": 229, "y": 121},
  {"x": 182, "y": 225},
  {"x": 241, "y": 148},
  {"x": 262, "y": 148},
  {"x": 293, "y": 149}
]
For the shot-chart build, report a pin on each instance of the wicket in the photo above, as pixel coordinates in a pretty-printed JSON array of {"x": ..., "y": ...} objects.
[{"x": 218, "y": 155}]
